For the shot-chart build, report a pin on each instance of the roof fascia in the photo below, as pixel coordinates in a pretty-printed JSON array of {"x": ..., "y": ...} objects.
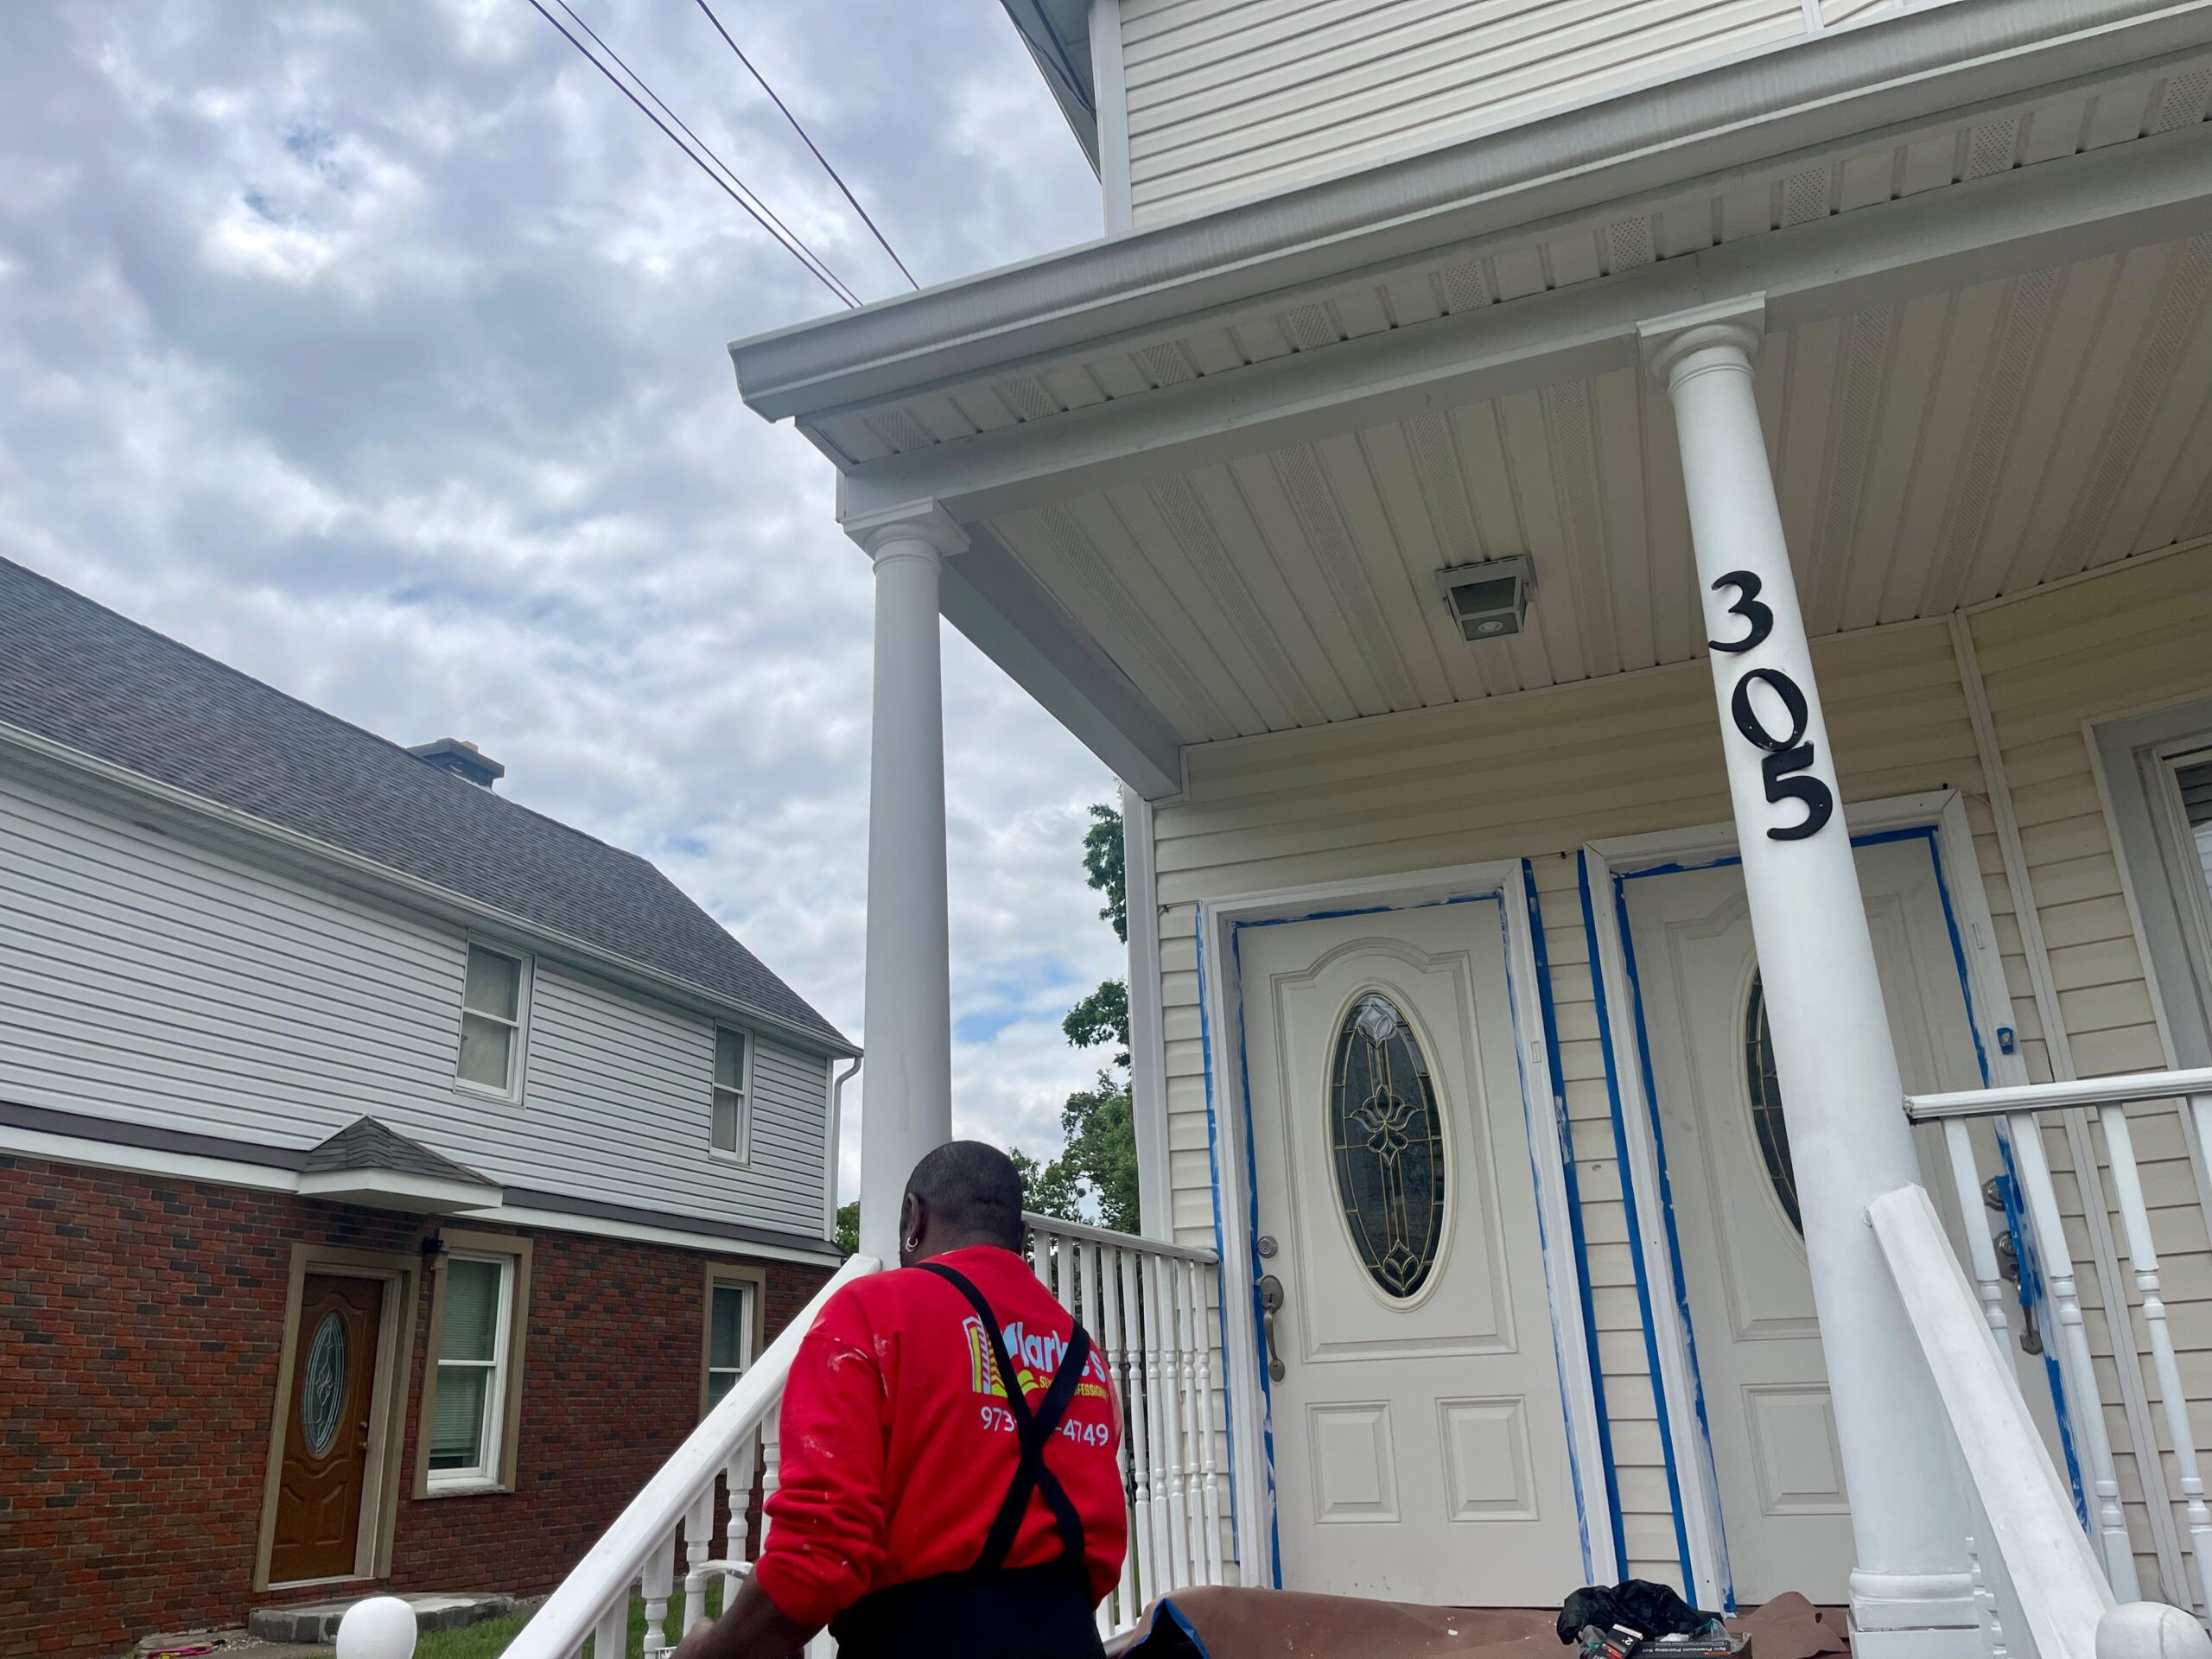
[
  {"x": 2056, "y": 212},
  {"x": 73, "y": 768},
  {"x": 1796, "y": 95},
  {"x": 1051, "y": 46}
]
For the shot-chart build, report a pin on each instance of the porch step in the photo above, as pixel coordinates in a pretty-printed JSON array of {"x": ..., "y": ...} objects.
[{"x": 316, "y": 1623}]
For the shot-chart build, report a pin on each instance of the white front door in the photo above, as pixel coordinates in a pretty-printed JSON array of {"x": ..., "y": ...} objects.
[
  {"x": 1782, "y": 1503},
  {"x": 1420, "y": 1451}
]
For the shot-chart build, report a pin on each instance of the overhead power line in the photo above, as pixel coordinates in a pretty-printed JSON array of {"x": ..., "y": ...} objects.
[
  {"x": 797, "y": 252},
  {"x": 822, "y": 266},
  {"x": 810, "y": 143}
]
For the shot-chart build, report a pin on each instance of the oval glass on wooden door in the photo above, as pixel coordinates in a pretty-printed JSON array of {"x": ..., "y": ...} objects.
[
  {"x": 1386, "y": 1144},
  {"x": 1768, "y": 1128},
  {"x": 323, "y": 1397}
]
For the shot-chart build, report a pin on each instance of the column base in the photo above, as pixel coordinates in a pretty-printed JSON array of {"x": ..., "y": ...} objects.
[{"x": 1915, "y": 1616}]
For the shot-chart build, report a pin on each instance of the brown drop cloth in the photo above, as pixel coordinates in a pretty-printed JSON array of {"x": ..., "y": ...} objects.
[{"x": 1218, "y": 1622}]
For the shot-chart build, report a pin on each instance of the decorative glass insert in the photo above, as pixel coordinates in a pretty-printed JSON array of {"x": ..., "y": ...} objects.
[
  {"x": 322, "y": 1399},
  {"x": 1768, "y": 1127},
  {"x": 1387, "y": 1137}
]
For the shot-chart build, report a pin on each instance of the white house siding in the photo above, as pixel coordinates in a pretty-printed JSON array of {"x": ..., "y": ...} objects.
[
  {"x": 1230, "y": 99},
  {"x": 146, "y": 980},
  {"x": 1530, "y": 775},
  {"x": 2131, "y": 639}
]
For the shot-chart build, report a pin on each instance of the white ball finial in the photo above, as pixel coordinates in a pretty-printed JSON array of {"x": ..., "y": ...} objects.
[
  {"x": 383, "y": 1627},
  {"x": 2150, "y": 1630}
]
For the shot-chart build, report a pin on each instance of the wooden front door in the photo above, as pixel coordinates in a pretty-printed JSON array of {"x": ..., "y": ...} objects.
[{"x": 327, "y": 1430}]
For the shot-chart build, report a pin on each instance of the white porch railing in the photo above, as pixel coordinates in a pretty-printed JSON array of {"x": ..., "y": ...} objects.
[
  {"x": 2040, "y": 1587},
  {"x": 1144, "y": 1303},
  {"x": 2122, "y": 1106}
]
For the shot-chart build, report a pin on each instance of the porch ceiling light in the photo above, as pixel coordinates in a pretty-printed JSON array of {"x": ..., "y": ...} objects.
[{"x": 1488, "y": 600}]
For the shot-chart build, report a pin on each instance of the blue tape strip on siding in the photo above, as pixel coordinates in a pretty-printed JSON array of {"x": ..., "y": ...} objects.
[{"x": 1565, "y": 1130}]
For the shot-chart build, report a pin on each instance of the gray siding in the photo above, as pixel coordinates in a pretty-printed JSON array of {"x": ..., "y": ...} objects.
[{"x": 147, "y": 980}]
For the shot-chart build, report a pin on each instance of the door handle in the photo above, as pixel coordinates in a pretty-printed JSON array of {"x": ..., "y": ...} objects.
[{"x": 1270, "y": 1305}]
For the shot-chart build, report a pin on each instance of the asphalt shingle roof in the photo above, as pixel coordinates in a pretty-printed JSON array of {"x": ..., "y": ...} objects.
[
  {"x": 366, "y": 1144},
  {"x": 80, "y": 675}
]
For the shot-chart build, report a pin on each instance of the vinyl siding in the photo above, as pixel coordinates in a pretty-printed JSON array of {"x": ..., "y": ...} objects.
[
  {"x": 1531, "y": 775},
  {"x": 149, "y": 981},
  {"x": 1230, "y": 99},
  {"x": 2131, "y": 639}
]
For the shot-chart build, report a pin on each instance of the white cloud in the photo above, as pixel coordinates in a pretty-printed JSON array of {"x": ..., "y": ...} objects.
[{"x": 378, "y": 351}]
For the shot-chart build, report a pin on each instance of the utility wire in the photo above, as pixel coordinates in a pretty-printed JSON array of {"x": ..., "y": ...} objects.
[
  {"x": 818, "y": 155},
  {"x": 845, "y": 289},
  {"x": 680, "y": 145}
]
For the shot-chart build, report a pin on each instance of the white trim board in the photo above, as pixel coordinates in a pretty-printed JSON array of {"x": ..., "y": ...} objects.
[
  {"x": 1670, "y": 1340},
  {"x": 1230, "y": 1147}
]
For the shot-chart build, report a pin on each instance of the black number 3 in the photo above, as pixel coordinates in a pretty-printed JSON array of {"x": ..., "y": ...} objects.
[
  {"x": 1784, "y": 755},
  {"x": 1747, "y": 605}
]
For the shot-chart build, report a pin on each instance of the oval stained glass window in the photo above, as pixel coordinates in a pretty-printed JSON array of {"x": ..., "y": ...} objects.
[
  {"x": 1768, "y": 1128},
  {"x": 1387, "y": 1138},
  {"x": 323, "y": 1395}
]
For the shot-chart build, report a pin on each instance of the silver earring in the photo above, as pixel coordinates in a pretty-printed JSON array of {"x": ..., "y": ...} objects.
[{"x": 912, "y": 1242}]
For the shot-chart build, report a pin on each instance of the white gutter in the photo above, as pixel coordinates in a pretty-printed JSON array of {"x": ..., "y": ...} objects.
[{"x": 1798, "y": 94}]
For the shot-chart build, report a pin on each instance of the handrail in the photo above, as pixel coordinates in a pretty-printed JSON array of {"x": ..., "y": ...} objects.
[
  {"x": 613, "y": 1565},
  {"x": 2055, "y": 1574},
  {"x": 2053, "y": 1097},
  {"x": 1090, "y": 1235}
]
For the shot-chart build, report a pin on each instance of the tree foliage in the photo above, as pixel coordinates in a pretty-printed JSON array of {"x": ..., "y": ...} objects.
[{"x": 1095, "y": 1177}]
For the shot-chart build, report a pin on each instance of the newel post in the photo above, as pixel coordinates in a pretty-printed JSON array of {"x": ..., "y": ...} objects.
[
  {"x": 906, "y": 1084},
  {"x": 1842, "y": 1097}
]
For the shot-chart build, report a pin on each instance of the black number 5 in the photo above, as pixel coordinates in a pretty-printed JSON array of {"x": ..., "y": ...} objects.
[
  {"x": 1784, "y": 755},
  {"x": 1747, "y": 605}
]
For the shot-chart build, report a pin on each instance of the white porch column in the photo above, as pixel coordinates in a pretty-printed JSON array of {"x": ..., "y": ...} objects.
[
  {"x": 906, "y": 1083},
  {"x": 1841, "y": 1095}
]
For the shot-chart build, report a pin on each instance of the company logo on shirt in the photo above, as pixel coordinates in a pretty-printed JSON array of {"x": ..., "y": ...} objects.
[{"x": 1036, "y": 1356}]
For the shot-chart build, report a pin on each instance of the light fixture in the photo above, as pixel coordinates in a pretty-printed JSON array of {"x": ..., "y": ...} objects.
[{"x": 1488, "y": 600}]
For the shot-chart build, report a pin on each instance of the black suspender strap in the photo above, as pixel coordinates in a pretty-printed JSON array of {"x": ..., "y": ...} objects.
[{"x": 1034, "y": 1430}]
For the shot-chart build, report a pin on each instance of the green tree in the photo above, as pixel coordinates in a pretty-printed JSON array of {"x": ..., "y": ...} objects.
[
  {"x": 849, "y": 1227},
  {"x": 1095, "y": 1177}
]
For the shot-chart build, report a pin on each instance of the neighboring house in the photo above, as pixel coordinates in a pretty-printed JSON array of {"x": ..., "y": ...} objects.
[
  {"x": 390, "y": 1176},
  {"x": 1526, "y": 991}
]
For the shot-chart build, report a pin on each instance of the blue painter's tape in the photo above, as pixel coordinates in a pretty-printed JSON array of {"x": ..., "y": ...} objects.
[
  {"x": 1220, "y": 1253},
  {"x": 1635, "y": 1227},
  {"x": 1704, "y": 1448},
  {"x": 1252, "y": 1233},
  {"x": 2032, "y": 1298},
  {"x": 1565, "y": 1131}
]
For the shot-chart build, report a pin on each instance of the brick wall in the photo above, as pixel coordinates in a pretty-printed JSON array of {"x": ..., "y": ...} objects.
[{"x": 140, "y": 1324}]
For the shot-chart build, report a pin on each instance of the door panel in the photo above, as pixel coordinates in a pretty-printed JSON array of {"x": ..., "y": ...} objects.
[
  {"x": 325, "y": 1471},
  {"x": 1784, "y": 1507},
  {"x": 1420, "y": 1451}
]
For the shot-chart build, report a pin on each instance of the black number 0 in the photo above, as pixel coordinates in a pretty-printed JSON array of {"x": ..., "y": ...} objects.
[
  {"x": 1784, "y": 755},
  {"x": 1747, "y": 585}
]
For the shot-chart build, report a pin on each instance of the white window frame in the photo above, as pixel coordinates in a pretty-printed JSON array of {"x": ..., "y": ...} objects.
[
  {"x": 2135, "y": 760},
  {"x": 519, "y": 1049},
  {"x": 484, "y": 1475},
  {"x": 753, "y": 1283},
  {"x": 742, "y": 1152}
]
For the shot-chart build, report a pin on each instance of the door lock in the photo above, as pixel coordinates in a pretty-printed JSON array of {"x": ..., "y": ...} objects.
[{"x": 1271, "y": 1304}]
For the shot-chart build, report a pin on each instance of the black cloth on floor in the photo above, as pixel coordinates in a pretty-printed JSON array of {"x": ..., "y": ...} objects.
[{"x": 1635, "y": 1603}]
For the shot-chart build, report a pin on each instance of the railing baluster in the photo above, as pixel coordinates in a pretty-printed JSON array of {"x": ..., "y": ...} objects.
[
  {"x": 2113, "y": 1546},
  {"x": 655, "y": 1583},
  {"x": 2143, "y": 1259},
  {"x": 1179, "y": 1498},
  {"x": 771, "y": 1466},
  {"x": 738, "y": 1477},
  {"x": 698, "y": 1545},
  {"x": 1209, "y": 1478},
  {"x": 1974, "y": 1217},
  {"x": 611, "y": 1639},
  {"x": 1117, "y": 1366},
  {"x": 1137, "y": 1385}
]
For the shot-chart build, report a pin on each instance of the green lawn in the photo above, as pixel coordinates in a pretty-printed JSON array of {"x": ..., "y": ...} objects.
[{"x": 489, "y": 1639}]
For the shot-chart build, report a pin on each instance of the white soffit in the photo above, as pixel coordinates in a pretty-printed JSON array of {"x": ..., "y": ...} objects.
[
  {"x": 1929, "y": 453},
  {"x": 1730, "y": 211}
]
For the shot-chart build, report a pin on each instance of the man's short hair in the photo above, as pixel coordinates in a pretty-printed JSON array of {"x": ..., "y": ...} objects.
[{"x": 971, "y": 1188}]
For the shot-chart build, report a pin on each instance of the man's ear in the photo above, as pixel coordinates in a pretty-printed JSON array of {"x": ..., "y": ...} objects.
[{"x": 913, "y": 1218}]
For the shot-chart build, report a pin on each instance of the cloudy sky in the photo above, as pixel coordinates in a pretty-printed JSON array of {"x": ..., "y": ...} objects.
[{"x": 377, "y": 350}]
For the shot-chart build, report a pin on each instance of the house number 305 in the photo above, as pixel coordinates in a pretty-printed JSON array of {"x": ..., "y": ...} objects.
[{"x": 1787, "y": 755}]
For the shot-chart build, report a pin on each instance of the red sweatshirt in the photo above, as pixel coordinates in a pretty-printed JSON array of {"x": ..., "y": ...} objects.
[{"x": 897, "y": 1454}]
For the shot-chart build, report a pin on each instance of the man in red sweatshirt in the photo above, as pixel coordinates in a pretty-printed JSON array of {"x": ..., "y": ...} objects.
[{"x": 951, "y": 1465}]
